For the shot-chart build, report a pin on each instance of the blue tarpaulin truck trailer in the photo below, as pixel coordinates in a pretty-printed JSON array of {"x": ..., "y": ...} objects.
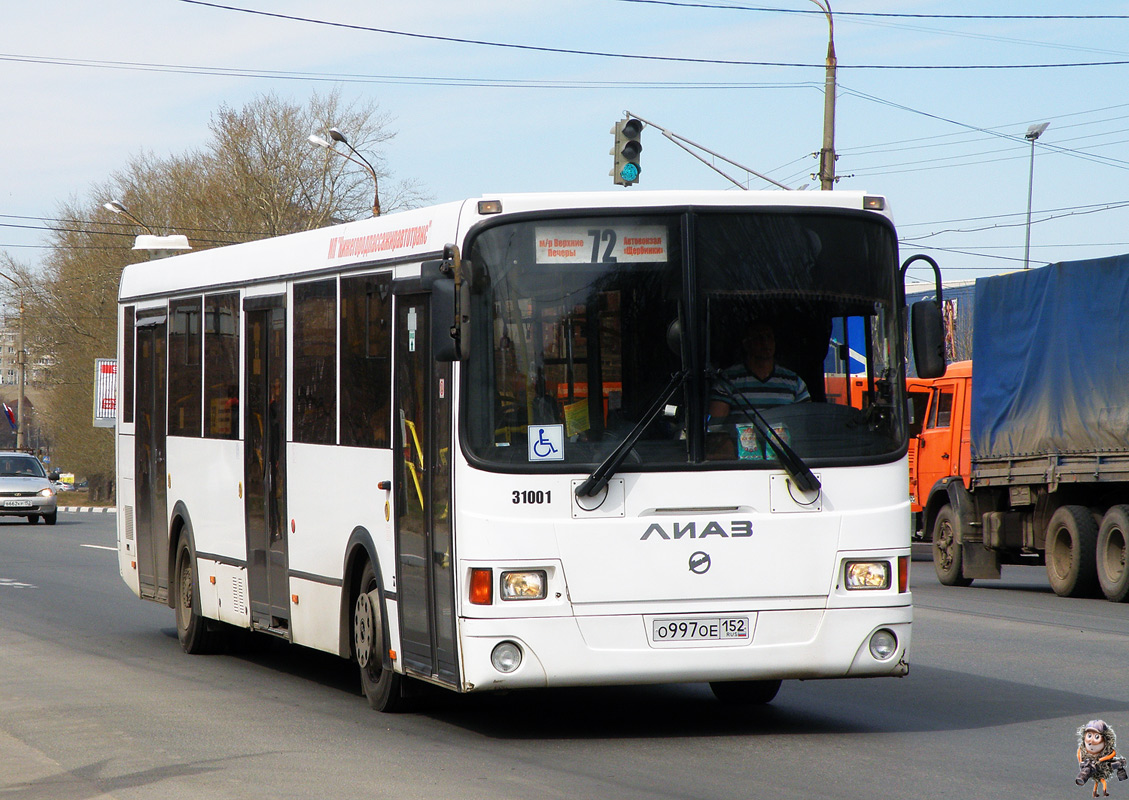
[{"x": 1048, "y": 433}]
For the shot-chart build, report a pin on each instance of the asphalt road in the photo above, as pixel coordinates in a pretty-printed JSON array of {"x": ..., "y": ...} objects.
[{"x": 98, "y": 701}]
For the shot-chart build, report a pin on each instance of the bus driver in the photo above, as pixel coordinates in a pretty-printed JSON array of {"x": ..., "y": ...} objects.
[{"x": 758, "y": 380}]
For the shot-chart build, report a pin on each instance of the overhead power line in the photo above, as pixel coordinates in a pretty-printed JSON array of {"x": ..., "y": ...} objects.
[
  {"x": 639, "y": 56},
  {"x": 411, "y": 80},
  {"x": 887, "y": 14}
]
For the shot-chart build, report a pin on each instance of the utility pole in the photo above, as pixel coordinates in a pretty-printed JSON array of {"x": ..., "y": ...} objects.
[
  {"x": 827, "y": 152},
  {"x": 21, "y": 423}
]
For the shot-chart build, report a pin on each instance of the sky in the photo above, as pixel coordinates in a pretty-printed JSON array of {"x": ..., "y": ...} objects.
[{"x": 933, "y": 102}]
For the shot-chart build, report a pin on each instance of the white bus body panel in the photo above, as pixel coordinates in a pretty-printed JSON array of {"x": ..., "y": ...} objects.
[
  {"x": 615, "y": 575},
  {"x": 126, "y": 501}
]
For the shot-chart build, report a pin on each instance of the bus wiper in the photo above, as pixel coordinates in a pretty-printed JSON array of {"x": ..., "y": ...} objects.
[
  {"x": 600, "y": 476},
  {"x": 797, "y": 470}
]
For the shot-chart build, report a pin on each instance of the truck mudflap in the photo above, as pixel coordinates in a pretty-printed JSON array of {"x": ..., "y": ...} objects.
[{"x": 978, "y": 561}]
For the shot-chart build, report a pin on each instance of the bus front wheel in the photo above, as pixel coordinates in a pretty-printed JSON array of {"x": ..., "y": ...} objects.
[{"x": 383, "y": 688}]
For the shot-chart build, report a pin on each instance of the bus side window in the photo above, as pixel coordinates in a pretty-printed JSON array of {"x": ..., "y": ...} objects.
[
  {"x": 221, "y": 365},
  {"x": 315, "y": 362},
  {"x": 366, "y": 365}
]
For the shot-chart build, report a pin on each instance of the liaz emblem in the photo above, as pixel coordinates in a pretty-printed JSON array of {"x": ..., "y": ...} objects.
[{"x": 738, "y": 528}]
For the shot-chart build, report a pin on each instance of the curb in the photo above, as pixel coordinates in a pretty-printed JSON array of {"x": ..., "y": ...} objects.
[{"x": 89, "y": 509}]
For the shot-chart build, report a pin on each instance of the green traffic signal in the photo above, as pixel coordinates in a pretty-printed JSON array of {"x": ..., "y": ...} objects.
[{"x": 626, "y": 150}]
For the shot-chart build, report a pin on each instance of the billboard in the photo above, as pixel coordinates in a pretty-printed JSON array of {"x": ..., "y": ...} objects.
[{"x": 105, "y": 392}]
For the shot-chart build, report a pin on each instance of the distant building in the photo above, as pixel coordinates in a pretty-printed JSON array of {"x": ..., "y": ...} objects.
[
  {"x": 958, "y": 298},
  {"x": 38, "y": 364}
]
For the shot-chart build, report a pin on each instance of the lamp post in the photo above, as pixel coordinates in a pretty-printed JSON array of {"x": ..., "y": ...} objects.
[
  {"x": 118, "y": 208},
  {"x": 827, "y": 152},
  {"x": 338, "y": 136},
  {"x": 21, "y": 358},
  {"x": 1033, "y": 133}
]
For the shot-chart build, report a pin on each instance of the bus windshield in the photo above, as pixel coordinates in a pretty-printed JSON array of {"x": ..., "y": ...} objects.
[{"x": 580, "y": 324}]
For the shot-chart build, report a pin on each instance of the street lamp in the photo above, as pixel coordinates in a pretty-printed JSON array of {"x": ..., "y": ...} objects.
[
  {"x": 118, "y": 208},
  {"x": 1033, "y": 133},
  {"x": 156, "y": 246},
  {"x": 338, "y": 136},
  {"x": 827, "y": 153},
  {"x": 21, "y": 358}
]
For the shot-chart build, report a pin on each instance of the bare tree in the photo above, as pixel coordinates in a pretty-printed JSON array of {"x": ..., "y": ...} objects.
[{"x": 257, "y": 176}]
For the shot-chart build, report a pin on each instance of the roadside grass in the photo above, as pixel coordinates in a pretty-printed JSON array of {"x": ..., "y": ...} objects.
[{"x": 76, "y": 498}]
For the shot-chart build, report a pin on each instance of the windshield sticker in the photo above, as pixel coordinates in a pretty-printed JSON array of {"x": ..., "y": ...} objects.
[
  {"x": 576, "y": 417},
  {"x": 546, "y": 442},
  {"x": 593, "y": 245}
]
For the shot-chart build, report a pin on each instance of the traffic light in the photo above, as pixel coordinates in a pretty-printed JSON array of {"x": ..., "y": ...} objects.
[{"x": 625, "y": 170}]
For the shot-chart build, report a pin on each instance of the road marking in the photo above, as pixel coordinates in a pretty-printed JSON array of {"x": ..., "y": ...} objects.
[
  {"x": 14, "y": 584},
  {"x": 99, "y": 547}
]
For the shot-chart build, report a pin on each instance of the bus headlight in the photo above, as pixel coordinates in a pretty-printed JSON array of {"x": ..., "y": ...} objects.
[
  {"x": 506, "y": 657},
  {"x": 868, "y": 575},
  {"x": 883, "y": 644},
  {"x": 526, "y": 585}
]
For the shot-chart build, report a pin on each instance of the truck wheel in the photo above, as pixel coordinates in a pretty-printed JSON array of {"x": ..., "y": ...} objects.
[
  {"x": 1072, "y": 538},
  {"x": 1113, "y": 546},
  {"x": 946, "y": 550}
]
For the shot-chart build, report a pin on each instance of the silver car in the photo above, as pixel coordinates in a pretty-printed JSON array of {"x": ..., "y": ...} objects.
[{"x": 25, "y": 489}]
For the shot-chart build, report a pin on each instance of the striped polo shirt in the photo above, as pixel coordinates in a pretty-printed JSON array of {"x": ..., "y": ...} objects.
[{"x": 782, "y": 387}]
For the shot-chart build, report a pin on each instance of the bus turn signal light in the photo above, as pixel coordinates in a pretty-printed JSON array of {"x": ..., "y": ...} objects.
[{"x": 481, "y": 586}]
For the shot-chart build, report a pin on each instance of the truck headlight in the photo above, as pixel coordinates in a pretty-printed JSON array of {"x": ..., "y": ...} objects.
[
  {"x": 868, "y": 575},
  {"x": 524, "y": 585}
]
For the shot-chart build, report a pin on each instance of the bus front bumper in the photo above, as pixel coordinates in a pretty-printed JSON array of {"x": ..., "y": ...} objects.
[{"x": 620, "y": 649}]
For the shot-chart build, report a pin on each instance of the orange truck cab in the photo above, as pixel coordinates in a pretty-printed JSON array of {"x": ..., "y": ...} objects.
[{"x": 939, "y": 435}]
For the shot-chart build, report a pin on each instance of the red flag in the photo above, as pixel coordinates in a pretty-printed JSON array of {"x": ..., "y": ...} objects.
[{"x": 10, "y": 415}]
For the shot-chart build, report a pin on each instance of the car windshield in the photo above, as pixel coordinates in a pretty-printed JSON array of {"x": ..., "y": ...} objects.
[
  {"x": 580, "y": 324},
  {"x": 21, "y": 467}
]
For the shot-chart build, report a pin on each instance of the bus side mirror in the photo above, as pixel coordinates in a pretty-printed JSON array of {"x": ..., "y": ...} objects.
[
  {"x": 441, "y": 312},
  {"x": 450, "y": 294},
  {"x": 928, "y": 330}
]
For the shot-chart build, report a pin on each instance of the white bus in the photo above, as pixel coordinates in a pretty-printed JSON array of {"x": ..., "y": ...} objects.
[{"x": 470, "y": 444}]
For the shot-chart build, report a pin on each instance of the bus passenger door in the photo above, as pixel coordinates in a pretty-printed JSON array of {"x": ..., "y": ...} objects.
[
  {"x": 149, "y": 460},
  {"x": 422, "y": 476},
  {"x": 264, "y": 463}
]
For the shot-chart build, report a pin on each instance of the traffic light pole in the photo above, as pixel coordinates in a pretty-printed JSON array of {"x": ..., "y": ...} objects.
[{"x": 686, "y": 144}]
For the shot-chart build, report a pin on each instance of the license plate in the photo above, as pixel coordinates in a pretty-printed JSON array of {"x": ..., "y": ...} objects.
[
  {"x": 700, "y": 629},
  {"x": 17, "y": 504}
]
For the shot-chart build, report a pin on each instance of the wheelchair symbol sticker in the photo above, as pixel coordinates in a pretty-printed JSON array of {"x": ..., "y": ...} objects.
[{"x": 546, "y": 442}]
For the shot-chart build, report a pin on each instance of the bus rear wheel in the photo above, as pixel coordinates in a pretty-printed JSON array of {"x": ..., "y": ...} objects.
[
  {"x": 383, "y": 688},
  {"x": 193, "y": 631},
  {"x": 745, "y": 693}
]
